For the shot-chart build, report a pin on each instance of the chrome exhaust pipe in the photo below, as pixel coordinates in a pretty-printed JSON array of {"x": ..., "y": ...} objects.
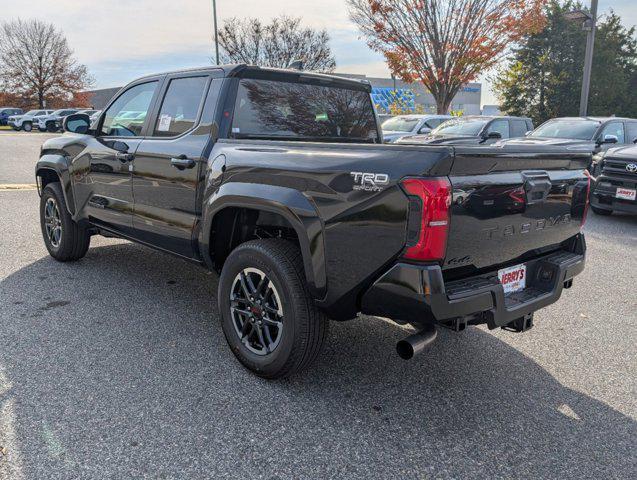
[{"x": 416, "y": 343}]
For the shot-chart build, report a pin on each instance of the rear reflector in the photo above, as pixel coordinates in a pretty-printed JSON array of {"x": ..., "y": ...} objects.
[{"x": 430, "y": 199}]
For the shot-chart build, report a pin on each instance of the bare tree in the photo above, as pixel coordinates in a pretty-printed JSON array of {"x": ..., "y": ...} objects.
[
  {"x": 444, "y": 43},
  {"x": 36, "y": 62},
  {"x": 276, "y": 44}
]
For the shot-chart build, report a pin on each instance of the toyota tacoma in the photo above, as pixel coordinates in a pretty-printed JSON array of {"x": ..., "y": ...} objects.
[{"x": 279, "y": 181}]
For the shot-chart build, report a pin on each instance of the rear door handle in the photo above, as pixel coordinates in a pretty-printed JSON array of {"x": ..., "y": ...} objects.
[
  {"x": 182, "y": 162},
  {"x": 124, "y": 157}
]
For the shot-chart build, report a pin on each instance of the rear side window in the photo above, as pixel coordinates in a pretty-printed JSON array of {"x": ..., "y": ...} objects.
[
  {"x": 296, "y": 111},
  {"x": 180, "y": 106},
  {"x": 518, "y": 128},
  {"x": 125, "y": 117},
  {"x": 631, "y": 132}
]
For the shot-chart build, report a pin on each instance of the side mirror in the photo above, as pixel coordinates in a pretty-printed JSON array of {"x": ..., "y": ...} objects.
[
  {"x": 528, "y": 132},
  {"x": 424, "y": 130},
  {"x": 494, "y": 135},
  {"x": 77, "y": 123},
  {"x": 610, "y": 139}
]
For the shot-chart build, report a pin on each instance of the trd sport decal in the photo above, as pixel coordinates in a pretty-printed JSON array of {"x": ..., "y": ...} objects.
[{"x": 370, "y": 182}]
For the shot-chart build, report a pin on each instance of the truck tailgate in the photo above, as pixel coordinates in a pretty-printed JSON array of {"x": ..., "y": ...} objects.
[{"x": 511, "y": 204}]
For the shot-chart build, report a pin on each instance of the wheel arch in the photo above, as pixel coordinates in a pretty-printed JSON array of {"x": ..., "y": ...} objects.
[
  {"x": 53, "y": 168},
  {"x": 290, "y": 206}
]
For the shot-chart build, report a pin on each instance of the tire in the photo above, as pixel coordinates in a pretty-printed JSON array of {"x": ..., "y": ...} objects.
[
  {"x": 42, "y": 129},
  {"x": 285, "y": 300},
  {"x": 50, "y": 127},
  {"x": 27, "y": 126},
  {"x": 601, "y": 211},
  {"x": 64, "y": 239}
]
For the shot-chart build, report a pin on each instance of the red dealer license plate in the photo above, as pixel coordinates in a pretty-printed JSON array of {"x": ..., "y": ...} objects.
[
  {"x": 513, "y": 279},
  {"x": 626, "y": 193}
]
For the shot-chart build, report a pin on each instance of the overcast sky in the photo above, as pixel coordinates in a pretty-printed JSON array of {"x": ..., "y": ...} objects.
[{"x": 120, "y": 40}]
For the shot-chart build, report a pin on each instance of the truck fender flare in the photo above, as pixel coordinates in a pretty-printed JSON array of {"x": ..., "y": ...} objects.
[
  {"x": 292, "y": 205},
  {"x": 57, "y": 164}
]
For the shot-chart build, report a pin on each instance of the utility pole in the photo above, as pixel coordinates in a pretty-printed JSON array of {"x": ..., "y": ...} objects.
[
  {"x": 214, "y": 17},
  {"x": 590, "y": 25}
]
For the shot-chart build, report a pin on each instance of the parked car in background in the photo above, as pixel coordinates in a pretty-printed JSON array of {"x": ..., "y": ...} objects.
[
  {"x": 94, "y": 116},
  {"x": 383, "y": 117},
  {"x": 591, "y": 134},
  {"x": 25, "y": 122},
  {"x": 403, "y": 125},
  {"x": 6, "y": 112},
  {"x": 53, "y": 121},
  {"x": 614, "y": 186},
  {"x": 473, "y": 130}
]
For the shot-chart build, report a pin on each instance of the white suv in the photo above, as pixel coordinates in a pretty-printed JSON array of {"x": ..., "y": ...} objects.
[
  {"x": 25, "y": 122},
  {"x": 53, "y": 122}
]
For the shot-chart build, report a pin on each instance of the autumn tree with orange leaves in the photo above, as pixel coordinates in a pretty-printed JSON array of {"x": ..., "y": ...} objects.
[{"x": 444, "y": 43}]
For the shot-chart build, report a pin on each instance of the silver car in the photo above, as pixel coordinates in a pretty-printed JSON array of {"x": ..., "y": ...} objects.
[{"x": 401, "y": 125}]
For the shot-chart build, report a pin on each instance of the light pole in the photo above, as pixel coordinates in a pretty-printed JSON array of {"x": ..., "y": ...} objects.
[
  {"x": 589, "y": 24},
  {"x": 214, "y": 18}
]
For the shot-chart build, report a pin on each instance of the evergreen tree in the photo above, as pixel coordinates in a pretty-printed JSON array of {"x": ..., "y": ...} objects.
[{"x": 543, "y": 79}]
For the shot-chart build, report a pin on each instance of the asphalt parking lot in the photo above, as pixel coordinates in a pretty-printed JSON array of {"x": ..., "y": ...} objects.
[{"x": 116, "y": 367}]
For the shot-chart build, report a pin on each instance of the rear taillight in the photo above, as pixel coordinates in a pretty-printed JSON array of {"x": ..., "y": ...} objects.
[
  {"x": 588, "y": 193},
  {"x": 432, "y": 196}
]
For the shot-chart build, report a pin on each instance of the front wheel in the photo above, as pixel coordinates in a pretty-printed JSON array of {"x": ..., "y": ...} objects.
[
  {"x": 27, "y": 126},
  {"x": 64, "y": 239},
  {"x": 268, "y": 316}
]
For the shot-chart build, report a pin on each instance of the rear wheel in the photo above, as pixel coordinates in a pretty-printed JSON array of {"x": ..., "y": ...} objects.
[
  {"x": 268, "y": 316},
  {"x": 27, "y": 126},
  {"x": 601, "y": 211},
  {"x": 64, "y": 239}
]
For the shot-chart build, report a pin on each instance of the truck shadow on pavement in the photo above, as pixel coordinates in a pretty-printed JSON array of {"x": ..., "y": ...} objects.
[{"x": 116, "y": 367}]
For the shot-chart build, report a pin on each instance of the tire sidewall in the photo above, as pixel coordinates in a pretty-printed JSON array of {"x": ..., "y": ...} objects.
[
  {"x": 27, "y": 126},
  {"x": 54, "y": 191},
  {"x": 264, "y": 365}
]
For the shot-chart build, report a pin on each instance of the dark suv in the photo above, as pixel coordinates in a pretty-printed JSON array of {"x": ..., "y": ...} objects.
[
  {"x": 473, "y": 130},
  {"x": 587, "y": 134},
  {"x": 615, "y": 181},
  {"x": 6, "y": 112}
]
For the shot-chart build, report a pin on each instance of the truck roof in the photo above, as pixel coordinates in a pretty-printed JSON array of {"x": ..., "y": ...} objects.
[{"x": 253, "y": 71}]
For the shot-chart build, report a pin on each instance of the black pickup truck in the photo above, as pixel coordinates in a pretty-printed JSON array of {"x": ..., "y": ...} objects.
[{"x": 279, "y": 181}]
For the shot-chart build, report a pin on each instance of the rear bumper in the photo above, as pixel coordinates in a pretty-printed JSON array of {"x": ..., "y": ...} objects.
[{"x": 416, "y": 294}]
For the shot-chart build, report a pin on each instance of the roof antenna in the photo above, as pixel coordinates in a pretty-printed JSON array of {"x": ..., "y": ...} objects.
[{"x": 296, "y": 65}]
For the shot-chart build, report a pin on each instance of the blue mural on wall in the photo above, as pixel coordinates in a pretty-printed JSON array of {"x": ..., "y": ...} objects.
[{"x": 383, "y": 97}]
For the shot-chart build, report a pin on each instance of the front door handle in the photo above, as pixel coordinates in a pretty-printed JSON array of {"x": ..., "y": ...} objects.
[
  {"x": 182, "y": 162},
  {"x": 124, "y": 157}
]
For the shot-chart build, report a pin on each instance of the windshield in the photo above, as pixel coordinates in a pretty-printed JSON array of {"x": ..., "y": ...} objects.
[
  {"x": 32, "y": 112},
  {"x": 461, "y": 126},
  {"x": 293, "y": 111},
  {"x": 575, "y": 129},
  {"x": 399, "y": 124}
]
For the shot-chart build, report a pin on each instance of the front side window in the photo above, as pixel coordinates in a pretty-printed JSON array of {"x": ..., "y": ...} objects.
[
  {"x": 286, "y": 110},
  {"x": 126, "y": 116},
  {"x": 180, "y": 106},
  {"x": 500, "y": 126},
  {"x": 616, "y": 129},
  {"x": 518, "y": 128}
]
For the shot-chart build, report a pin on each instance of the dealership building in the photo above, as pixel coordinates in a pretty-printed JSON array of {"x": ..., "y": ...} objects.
[{"x": 411, "y": 94}]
